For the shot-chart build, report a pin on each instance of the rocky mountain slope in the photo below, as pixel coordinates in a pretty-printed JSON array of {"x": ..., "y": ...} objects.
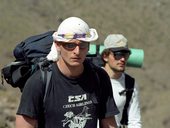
[{"x": 144, "y": 23}]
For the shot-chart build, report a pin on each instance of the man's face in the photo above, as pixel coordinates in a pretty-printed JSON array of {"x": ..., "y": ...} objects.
[
  {"x": 73, "y": 53},
  {"x": 117, "y": 60}
]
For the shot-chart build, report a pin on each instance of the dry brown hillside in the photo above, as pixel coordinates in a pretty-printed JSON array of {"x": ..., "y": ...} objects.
[{"x": 145, "y": 23}]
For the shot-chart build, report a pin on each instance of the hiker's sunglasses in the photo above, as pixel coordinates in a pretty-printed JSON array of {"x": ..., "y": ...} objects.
[
  {"x": 121, "y": 54},
  {"x": 72, "y": 46}
]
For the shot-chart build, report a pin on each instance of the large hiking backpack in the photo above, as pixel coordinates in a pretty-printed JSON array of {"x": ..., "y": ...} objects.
[{"x": 30, "y": 55}]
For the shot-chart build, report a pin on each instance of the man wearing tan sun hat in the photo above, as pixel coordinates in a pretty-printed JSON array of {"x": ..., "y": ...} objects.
[{"x": 79, "y": 93}]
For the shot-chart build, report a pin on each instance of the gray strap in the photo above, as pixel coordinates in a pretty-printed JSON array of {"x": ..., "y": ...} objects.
[
  {"x": 47, "y": 76},
  {"x": 46, "y": 73}
]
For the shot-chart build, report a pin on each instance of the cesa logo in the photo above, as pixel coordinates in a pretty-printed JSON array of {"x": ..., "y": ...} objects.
[{"x": 77, "y": 98}]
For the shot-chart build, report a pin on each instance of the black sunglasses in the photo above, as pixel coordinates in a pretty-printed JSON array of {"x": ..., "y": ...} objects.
[
  {"x": 121, "y": 54},
  {"x": 72, "y": 46}
]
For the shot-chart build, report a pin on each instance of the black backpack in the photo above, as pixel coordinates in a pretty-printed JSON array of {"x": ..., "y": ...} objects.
[{"x": 30, "y": 55}]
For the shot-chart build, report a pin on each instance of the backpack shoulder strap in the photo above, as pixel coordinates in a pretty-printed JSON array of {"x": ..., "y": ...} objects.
[
  {"x": 97, "y": 80},
  {"x": 46, "y": 73},
  {"x": 129, "y": 85},
  {"x": 94, "y": 69}
]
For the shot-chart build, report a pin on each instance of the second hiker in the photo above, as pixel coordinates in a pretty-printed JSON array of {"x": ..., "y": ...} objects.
[{"x": 115, "y": 57}]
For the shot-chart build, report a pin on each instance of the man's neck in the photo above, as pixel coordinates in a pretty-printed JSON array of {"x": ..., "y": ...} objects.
[
  {"x": 70, "y": 71},
  {"x": 112, "y": 73}
]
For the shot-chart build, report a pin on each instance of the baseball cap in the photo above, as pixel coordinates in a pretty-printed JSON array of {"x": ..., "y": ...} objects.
[
  {"x": 116, "y": 42},
  {"x": 75, "y": 28}
]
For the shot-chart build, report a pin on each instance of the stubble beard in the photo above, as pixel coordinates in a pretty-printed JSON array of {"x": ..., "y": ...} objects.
[{"x": 118, "y": 70}]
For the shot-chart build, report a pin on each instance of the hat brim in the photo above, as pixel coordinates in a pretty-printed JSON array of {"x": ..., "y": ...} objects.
[
  {"x": 120, "y": 49},
  {"x": 93, "y": 37}
]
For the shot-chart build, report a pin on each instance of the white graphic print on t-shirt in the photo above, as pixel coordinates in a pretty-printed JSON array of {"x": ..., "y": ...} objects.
[
  {"x": 76, "y": 121},
  {"x": 72, "y": 119}
]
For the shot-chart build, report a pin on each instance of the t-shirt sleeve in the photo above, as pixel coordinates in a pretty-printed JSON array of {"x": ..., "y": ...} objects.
[
  {"x": 107, "y": 106},
  {"x": 32, "y": 97}
]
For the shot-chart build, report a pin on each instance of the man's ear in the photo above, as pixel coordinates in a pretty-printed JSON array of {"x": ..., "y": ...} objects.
[
  {"x": 57, "y": 45},
  {"x": 105, "y": 57}
]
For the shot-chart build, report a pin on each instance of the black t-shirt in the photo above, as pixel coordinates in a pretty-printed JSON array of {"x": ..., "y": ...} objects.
[{"x": 69, "y": 103}]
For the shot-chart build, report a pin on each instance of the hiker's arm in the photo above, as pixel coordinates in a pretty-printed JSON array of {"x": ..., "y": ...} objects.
[
  {"x": 134, "y": 118},
  {"x": 108, "y": 122},
  {"x": 25, "y": 122}
]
